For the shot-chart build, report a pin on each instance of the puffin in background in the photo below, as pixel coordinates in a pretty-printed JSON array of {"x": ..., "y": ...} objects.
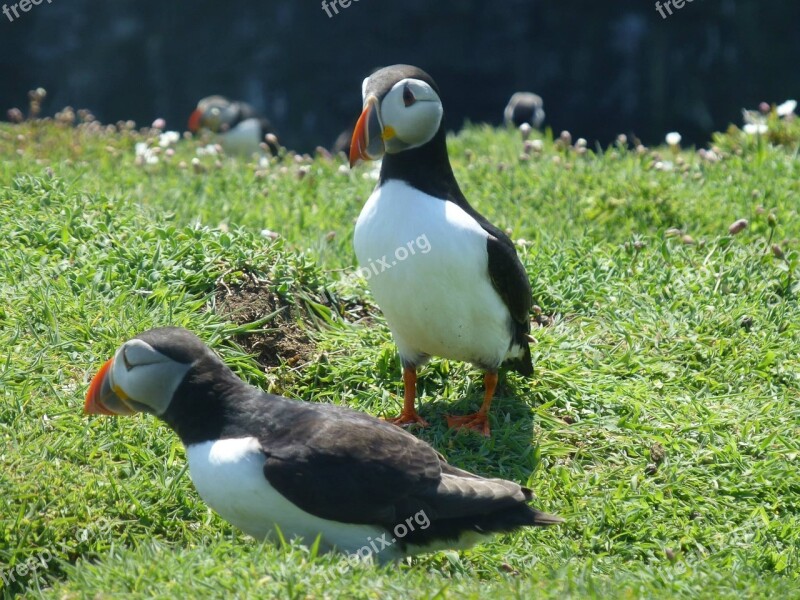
[
  {"x": 263, "y": 461},
  {"x": 240, "y": 128},
  {"x": 342, "y": 143},
  {"x": 524, "y": 107},
  {"x": 449, "y": 282}
]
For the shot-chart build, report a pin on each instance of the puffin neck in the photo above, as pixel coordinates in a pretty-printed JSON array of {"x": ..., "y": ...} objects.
[
  {"x": 426, "y": 168},
  {"x": 204, "y": 403}
]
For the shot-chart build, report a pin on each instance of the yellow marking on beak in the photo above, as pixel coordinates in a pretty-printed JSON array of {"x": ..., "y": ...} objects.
[
  {"x": 120, "y": 394},
  {"x": 388, "y": 133},
  {"x": 123, "y": 397}
]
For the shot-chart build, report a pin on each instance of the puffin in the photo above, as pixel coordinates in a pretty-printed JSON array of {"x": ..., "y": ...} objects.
[
  {"x": 463, "y": 294},
  {"x": 524, "y": 107},
  {"x": 240, "y": 128},
  {"x": 272, "y": 466},
  {"x": 342, "y": 143}
]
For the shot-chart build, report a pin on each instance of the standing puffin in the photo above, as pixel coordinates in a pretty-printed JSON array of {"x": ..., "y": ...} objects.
[
  {"x": 524, "y": 107},
  {"x": 240, "y": 128},
  {"x": 468, "y": 298},
  {"x": 263, "y": 461}
]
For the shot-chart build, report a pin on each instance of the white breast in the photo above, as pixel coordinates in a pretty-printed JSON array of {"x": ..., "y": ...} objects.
[
  {"x": 228, "y": 476},
  {"x": 427, "y": 265},
  {"x": 244, "y": 139}
]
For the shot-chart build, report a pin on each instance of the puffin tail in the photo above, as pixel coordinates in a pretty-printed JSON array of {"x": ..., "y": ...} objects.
[
  {"x": 523, "y": 364},
  {"x": 543, "y": 519},
  {"x": 467, "y": 508},
  {"x": 518, "y": 515}
]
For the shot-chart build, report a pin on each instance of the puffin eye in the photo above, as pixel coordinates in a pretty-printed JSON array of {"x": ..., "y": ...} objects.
[{"x": 408, "y": 96}]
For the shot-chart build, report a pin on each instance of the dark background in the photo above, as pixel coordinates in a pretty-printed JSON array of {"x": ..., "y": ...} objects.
[{"x": 603, "y": 67}]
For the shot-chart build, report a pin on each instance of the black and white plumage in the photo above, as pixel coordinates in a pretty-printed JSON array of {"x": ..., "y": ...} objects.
[
  {"x": 240, "y": 129},
  {"x": 262, "y": 461},
  {"x": 468, "y": 297},
  {"x": 524, "y": 107}
]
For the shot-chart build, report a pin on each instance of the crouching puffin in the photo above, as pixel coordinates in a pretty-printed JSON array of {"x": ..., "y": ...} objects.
[
  {"x": 449, "y": 282},
  {"x": 264, "y": 462},
  {"x": 240, "y": 128}
]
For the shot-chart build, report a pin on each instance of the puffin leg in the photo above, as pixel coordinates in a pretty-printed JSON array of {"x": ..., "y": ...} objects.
[
  {"x": 409, "y": 415},
  {"x": 478, "y": 421}
]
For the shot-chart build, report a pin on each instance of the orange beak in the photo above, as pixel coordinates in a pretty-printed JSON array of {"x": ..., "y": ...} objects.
[
  {"x": 367, "y": 142},
  {"x": 101, "y": 399},
  {"x": 194, "y": 120}
]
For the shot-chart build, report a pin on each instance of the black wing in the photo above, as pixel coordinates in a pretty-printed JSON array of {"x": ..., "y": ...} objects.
[
  {"x": 349, "y": 467},
  {"x": 511, "y": 281},
  {"x": 508, "y": 275}
]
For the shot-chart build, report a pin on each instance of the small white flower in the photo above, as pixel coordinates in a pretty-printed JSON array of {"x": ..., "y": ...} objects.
[
  {"x": 664, "y": 166},
  {"x": 168, "y": 138},
  {"x": 375, "y": 172},
  {"x": 755, "y": 128},
  {"x": 210, "y": 150},
  {"x": 752, "y": 116},
  {"x": 787, "y": 108},
  {"x": 145, "y": 154},
  {"x": 708, "y": 155},
  {"x": 674, "y": 138}
]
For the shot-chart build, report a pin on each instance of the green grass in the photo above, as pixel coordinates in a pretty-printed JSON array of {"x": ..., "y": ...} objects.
[{"x": 663, "y": 421}]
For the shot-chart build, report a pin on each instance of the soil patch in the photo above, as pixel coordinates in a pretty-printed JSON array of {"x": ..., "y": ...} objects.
[{"x": 284, "y": 341}]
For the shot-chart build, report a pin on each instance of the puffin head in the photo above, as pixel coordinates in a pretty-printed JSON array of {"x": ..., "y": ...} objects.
[
  {"x": 144, "y": 373},
  {"x": 212, "y": 112},
  {"x": 524, "y": 107},
  {"x": 401, "y": 110}
]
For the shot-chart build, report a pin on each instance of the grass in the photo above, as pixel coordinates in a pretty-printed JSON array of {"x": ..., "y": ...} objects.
[{"x": 663, "y": 420}]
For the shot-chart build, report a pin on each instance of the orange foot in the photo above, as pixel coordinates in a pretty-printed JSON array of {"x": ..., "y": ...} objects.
[
  {"x": 477, "y": 422},
  {"x": 407, "y": 418}
]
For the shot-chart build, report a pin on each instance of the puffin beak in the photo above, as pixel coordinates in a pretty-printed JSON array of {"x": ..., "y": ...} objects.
[
  {"x": 101, "y": 399},
  {"x": 194, "y": 120},
  {"x": 368, "y": 135}
]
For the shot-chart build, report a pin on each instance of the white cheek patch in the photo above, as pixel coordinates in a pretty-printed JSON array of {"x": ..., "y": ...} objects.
[
  {"x": 157, "y": 383},
  {"x": 151, "y": 383},
  {"x": 422, "y": 123},
  {"x": 415, "y": 124}
]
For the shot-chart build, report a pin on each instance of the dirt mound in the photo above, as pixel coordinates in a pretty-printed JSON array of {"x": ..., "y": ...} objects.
[{"x": 281, "y": 340}]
